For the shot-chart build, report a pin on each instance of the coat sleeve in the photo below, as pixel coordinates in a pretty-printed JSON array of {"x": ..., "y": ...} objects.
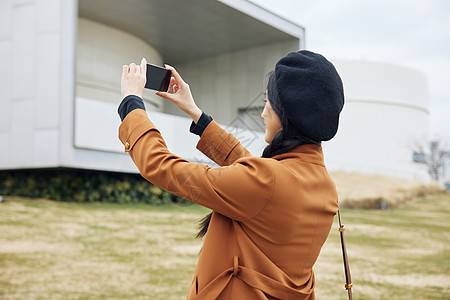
[
  {"x": 220, "y": 146},
  {"x": 239, "y": 191}
]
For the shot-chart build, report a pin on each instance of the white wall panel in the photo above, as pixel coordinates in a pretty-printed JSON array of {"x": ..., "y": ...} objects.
[
  {"x": 96, "y": 125},
  {"x": 69, "y": 17},
  {"x": 222, "y": 94},
  {"x": 45, "y": 148},
  {"x": 48, "y": 84},
  {"x": 23, "y": 58},
  {"x": 22, "y": 133},
  {"x": 32, "y": 90},
  {"x": 5, "y": 150},
  {"x": 23, "y": 2},
  {"x": 6, "y": 15},
  {"x": 5, "y": 85},
  {"x": 48, "y": 13}
]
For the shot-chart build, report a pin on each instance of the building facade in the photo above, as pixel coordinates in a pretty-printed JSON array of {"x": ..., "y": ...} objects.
[
  {"x": 60, "y": 96},
  {"x": 61, "y": 90}
]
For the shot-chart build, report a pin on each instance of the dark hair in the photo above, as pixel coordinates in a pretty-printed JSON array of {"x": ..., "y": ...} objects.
[
  {"x": 289, "y": 137},
  {"x": 284, "y": 141}
]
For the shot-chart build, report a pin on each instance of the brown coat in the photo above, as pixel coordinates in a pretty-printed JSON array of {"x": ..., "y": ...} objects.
[{"x": 270, "y": 219}]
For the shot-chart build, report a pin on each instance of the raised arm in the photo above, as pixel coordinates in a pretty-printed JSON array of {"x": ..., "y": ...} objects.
[
  {"x": 238, "y": 191},
  {"x": 220, "y": 146}
]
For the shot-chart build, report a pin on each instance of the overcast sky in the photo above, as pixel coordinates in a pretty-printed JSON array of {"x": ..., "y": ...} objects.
[{"x": 410, "y": 33}]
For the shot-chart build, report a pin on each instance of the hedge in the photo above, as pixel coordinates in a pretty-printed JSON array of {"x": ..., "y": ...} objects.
[{"x": 83, "y": 186}]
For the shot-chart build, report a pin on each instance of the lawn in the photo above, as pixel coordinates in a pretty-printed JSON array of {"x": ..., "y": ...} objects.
[{"x": 56, "y": 250}]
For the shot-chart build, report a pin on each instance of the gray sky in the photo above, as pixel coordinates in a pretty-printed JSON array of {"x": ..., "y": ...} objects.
[{"x": 410, "y": 33}]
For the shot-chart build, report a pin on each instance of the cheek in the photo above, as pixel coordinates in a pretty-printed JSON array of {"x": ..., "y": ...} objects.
[
  {"x": 274, "y": 121},
  {"x": 271, "y": 130}
]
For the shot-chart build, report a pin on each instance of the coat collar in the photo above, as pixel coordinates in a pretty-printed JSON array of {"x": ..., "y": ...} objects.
[{"x": 308, "y": 153}]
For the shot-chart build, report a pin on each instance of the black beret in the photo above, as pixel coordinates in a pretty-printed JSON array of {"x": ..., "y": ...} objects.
[{"x": 311, "y": 93}]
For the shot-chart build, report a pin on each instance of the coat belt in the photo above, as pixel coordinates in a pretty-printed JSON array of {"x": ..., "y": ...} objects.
[{"x": 258, "y": 281}]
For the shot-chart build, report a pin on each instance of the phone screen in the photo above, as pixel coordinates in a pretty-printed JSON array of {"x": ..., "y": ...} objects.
[{"x": 158, "y": 78}]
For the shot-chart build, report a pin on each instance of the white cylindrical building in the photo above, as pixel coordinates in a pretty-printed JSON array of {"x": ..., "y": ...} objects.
[{"x": 384, "y": 121}]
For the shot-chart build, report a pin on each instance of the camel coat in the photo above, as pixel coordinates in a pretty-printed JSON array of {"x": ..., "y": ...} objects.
[{"x": 271, "y": 216}]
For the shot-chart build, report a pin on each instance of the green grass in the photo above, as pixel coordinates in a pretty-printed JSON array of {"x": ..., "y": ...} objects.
[{"x": 60, "y": 250}]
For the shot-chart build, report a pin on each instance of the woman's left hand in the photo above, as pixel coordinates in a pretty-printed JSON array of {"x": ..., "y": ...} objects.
[{"x": 134, "y": 78}]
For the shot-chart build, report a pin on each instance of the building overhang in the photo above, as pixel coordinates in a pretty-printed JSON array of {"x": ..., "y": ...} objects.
[{"x": 190, "y": 30}]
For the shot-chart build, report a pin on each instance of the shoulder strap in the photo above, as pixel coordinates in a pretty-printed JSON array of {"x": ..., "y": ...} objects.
[{"x": 348, "y": 277}]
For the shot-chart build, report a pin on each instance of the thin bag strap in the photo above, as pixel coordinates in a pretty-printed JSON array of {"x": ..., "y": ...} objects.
[{"x": 348, "y": 277}]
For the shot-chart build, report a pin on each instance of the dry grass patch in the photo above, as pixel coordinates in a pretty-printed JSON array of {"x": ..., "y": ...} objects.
[
  {"x": 364, "y": 191},
  {"x": 54, "y": 250}
]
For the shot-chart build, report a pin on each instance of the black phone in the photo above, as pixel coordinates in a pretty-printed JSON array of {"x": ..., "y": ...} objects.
[{"x": 158, "y": 78}]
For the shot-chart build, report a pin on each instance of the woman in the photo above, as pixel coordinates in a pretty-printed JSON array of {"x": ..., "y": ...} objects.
[{"x": 271, "y": 214}]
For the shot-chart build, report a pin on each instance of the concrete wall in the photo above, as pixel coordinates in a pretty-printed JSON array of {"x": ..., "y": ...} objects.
[
  {"x": 31, "y": 42},
  {"x": 384, "y": 117},
  {"x": 101, "y": 51},
  {"x": 224, "y": 83}
]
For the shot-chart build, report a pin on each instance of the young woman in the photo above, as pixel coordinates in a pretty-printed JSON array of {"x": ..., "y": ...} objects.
[{"x": 270, "y": 214}]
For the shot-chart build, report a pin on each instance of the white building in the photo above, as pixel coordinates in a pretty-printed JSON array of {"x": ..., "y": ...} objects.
[
  {"x": 385, "y": 118},
  {"x": 64, "y": 58},
  {"x": 63, "y": 61}
]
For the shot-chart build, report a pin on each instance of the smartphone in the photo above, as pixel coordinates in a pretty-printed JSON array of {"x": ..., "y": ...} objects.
[{"x": 158, "y": 78}]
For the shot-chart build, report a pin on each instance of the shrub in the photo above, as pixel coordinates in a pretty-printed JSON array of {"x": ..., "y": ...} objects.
[{"x": 83, "y": 186}]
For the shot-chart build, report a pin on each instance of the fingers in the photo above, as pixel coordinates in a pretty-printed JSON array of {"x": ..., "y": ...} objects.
[
  {"x": 143, "y": 66},
  {"x": 165, "y": 95},
  {"x": 133, "y": 79},
  {"x": 175, "y": 74},
  {"x": 124, "y": 70},
  {"x": 132, "y": 68},
  {"x": 171, "y": 84}
]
